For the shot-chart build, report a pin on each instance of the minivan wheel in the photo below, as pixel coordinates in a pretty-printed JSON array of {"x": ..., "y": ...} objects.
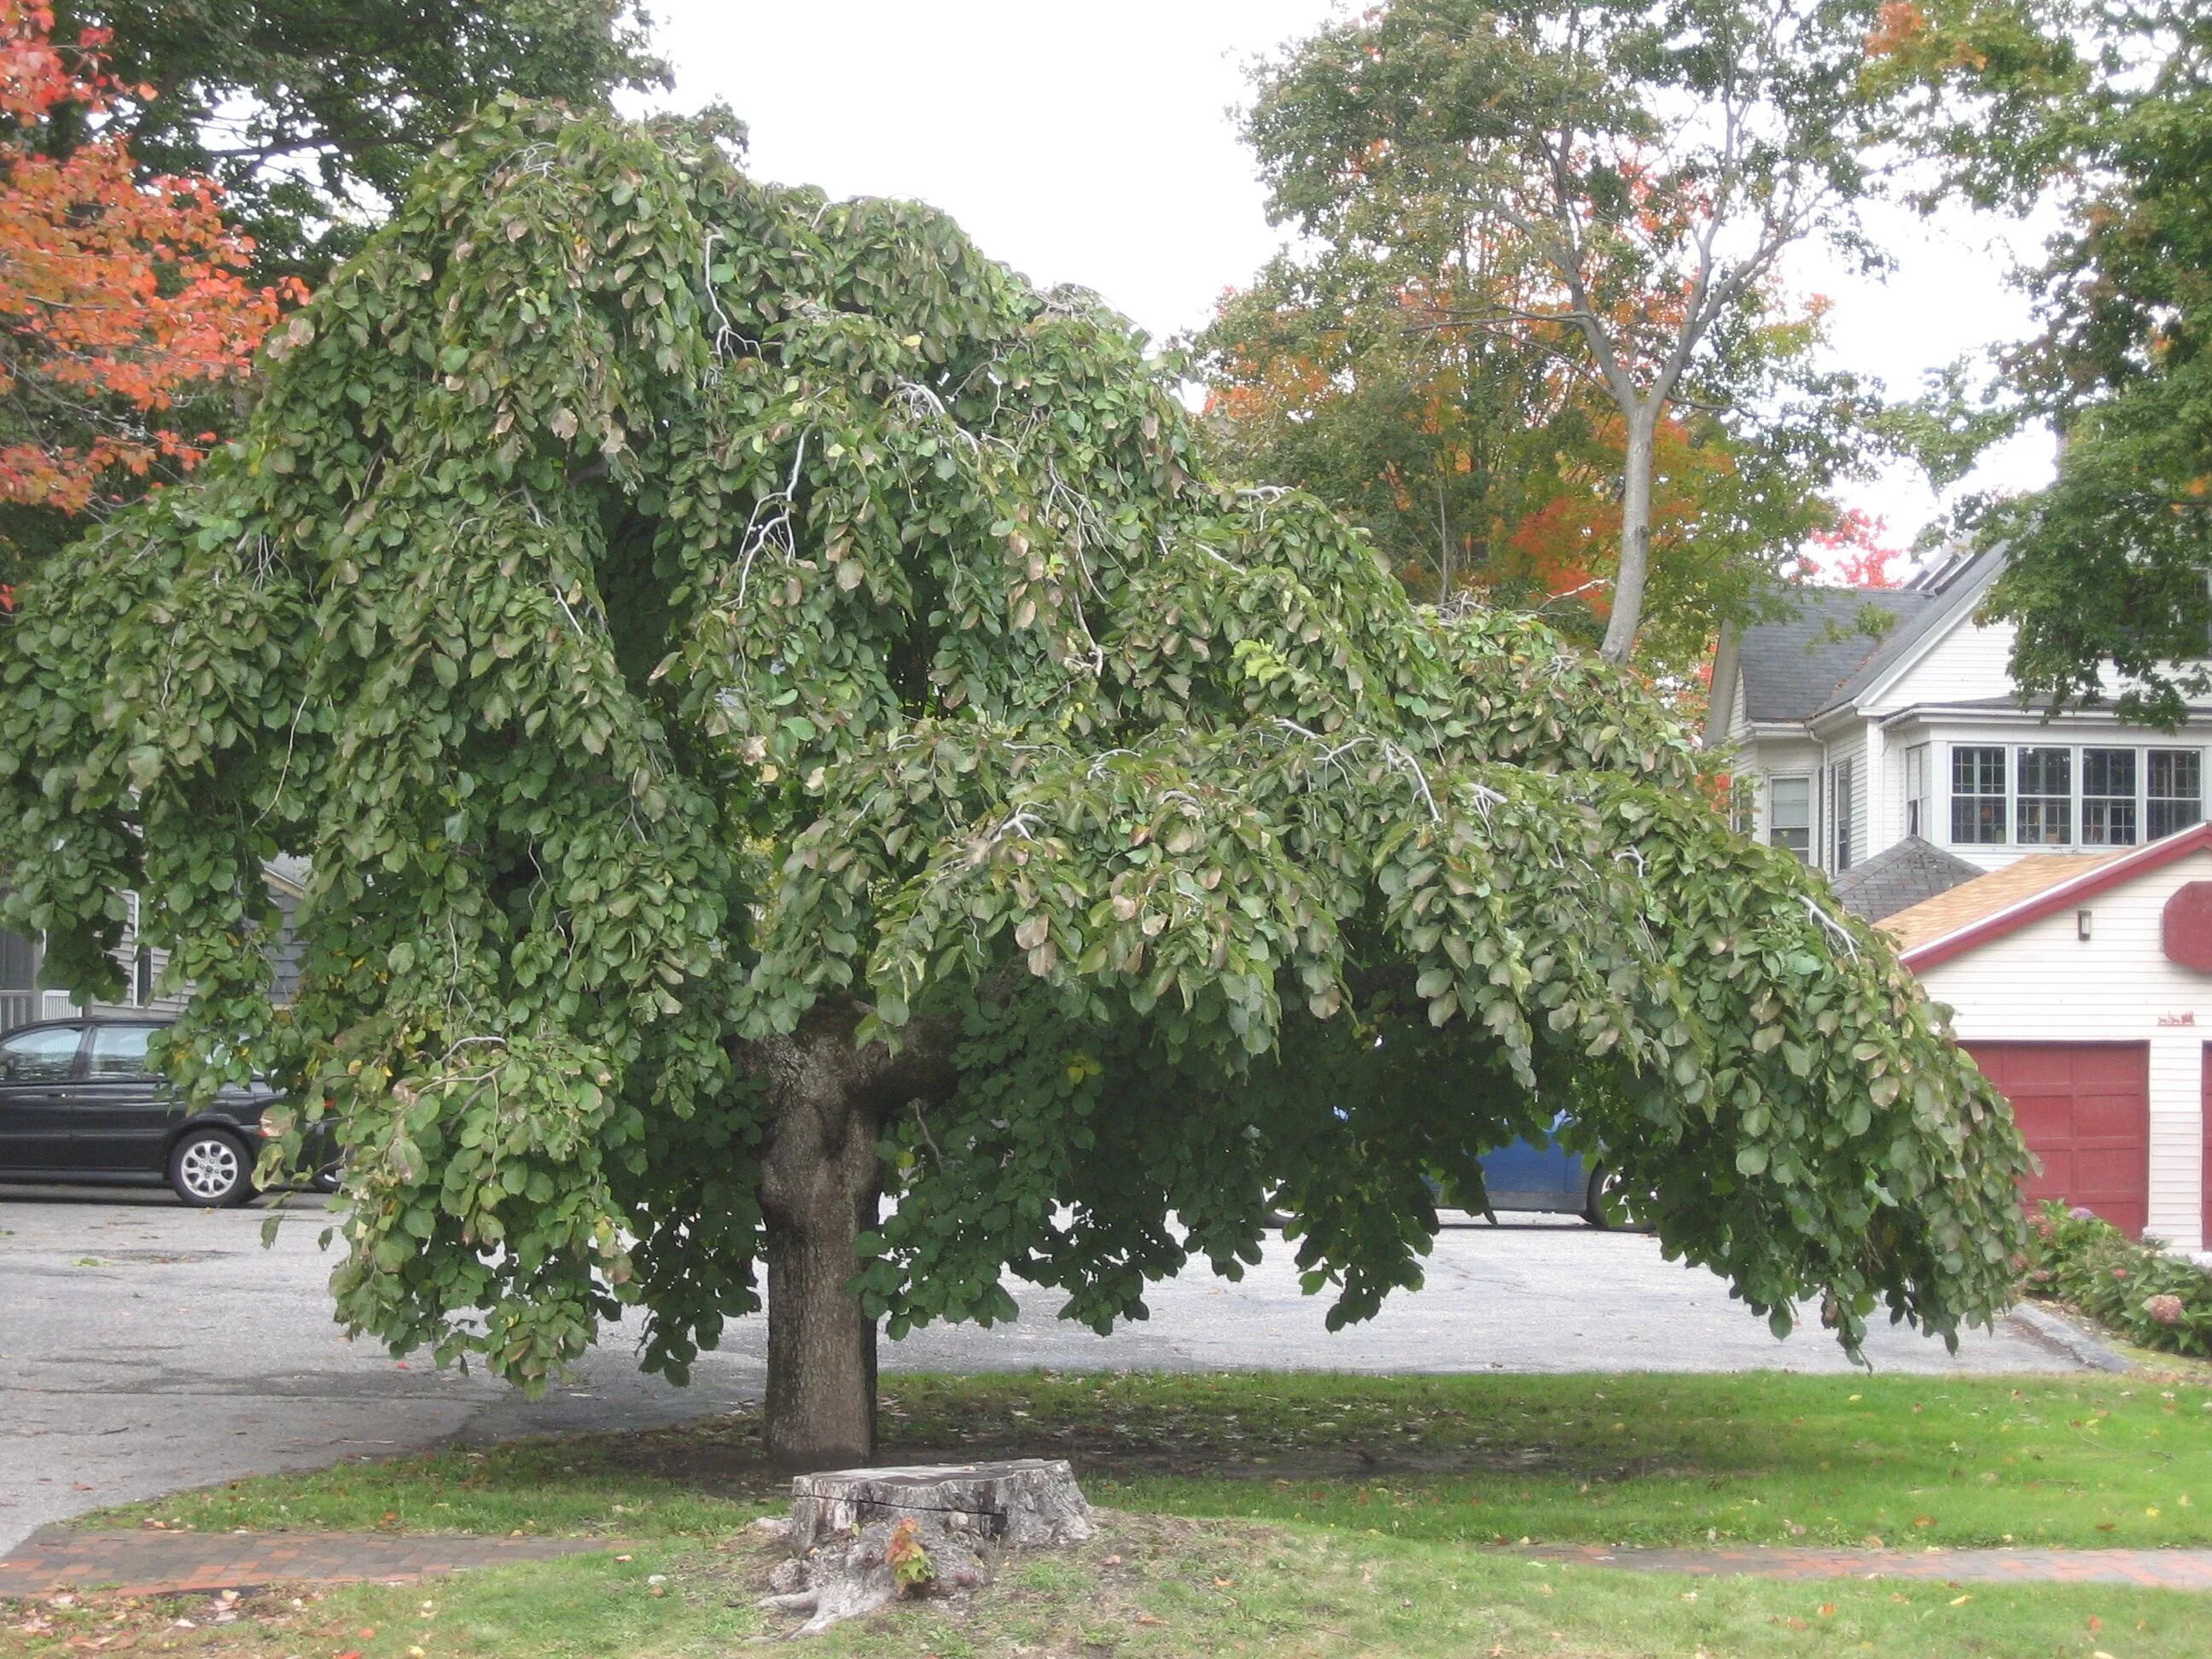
[
  {"x": 1601, "y": 1184},
  {"x": 210, "y": 1169}
]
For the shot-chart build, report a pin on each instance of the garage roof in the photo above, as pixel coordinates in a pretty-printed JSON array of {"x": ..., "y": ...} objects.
[{"x": 2026, "y": 890}]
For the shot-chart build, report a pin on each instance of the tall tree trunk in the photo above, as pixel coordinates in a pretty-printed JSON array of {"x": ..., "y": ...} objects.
[
  {"x": 821, "y": 1179},
  {"x": 1635, "y": 536},
  {"x": 1444, "y": 547}
]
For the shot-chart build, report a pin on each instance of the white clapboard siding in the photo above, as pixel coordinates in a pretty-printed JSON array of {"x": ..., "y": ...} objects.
[{"x": 1967, "y": 662}]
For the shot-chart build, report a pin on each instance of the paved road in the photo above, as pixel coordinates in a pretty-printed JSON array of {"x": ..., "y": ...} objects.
[{"x": 145, "y": 1347}]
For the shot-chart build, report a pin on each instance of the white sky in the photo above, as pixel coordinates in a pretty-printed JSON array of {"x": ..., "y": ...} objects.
[{"x": 1094, "y": 142}]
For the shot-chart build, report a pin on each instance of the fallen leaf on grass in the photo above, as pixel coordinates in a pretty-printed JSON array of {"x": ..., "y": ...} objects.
[{"x": 1960, "y": 1601}]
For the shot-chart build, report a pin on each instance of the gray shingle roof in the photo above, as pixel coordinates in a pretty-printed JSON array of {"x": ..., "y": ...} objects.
[
  {"x": 1899, "y": 877},
  {"x": 1823, "y": 651},
  {"x": 1794, "y": 667}
]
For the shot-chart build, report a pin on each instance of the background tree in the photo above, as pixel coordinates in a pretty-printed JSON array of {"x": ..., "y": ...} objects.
[
  {"x": 2109, "y": 108},
  {"x": 1343, "y": 375},
  {"x": 312, "y": 113},
  {"x": 805, "y": 721},
  {"x": 1483, "y": 460},
  {"x": 1648, "y": 162},
  {"x": 126, "y": 320}
]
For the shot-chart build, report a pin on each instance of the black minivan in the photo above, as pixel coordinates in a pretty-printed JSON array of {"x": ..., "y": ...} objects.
[{"x": 78, "y": 1102}]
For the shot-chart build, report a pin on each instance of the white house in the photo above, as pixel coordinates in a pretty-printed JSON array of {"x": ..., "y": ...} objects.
[
  {"x": 2048, "y": 877},
  {"x": 22, "y": 1000},
  {"x": 1881, "y": 738},
  {"x": 2082, "y": 985}
]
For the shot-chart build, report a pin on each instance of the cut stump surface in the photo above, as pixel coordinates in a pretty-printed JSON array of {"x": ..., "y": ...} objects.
[{"x": 1027, "y": 1503}]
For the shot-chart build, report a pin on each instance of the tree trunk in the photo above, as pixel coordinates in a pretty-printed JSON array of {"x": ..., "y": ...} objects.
[
  {"x": 1444, "y": 549},
  {"x": 1635, "y": 538},
  {"x": 821, "y": 1178}
]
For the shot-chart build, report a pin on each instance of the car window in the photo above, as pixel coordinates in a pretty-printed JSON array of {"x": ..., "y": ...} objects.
[
  {"x": 46, "y": 1056},
  {"x": 120, "y": 1050}
]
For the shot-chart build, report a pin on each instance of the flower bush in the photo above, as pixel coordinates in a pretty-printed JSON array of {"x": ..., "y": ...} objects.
[{"x": 2154, "y": 1299}]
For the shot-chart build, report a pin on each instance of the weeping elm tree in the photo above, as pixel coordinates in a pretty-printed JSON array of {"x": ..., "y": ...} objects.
[{"x": 782, "y": 717}]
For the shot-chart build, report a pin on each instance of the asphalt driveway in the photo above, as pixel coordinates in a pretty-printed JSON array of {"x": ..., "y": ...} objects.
[{"x": 145, "y": 1347}]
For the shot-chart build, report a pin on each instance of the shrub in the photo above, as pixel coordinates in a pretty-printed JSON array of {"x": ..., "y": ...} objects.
[{"x": 2154, "y": 1299}]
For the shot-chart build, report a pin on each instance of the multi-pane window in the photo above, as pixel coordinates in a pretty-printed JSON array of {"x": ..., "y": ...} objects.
[
  {"x": 1843, "y": 793},
  {"x": 2044, "y": 812},
  {"x": 2059, "y": 796},
  {"x": 2108, "y": 797},
  {"x": 1977, "y": 795},
  {"x": 1789, "y": 815},
  {"x": 1916, "y": 790},
  {"x": 2176, "y": 797}
]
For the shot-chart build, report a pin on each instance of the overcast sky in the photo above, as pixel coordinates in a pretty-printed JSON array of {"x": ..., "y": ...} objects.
[{"x": 1096, "y": 143}]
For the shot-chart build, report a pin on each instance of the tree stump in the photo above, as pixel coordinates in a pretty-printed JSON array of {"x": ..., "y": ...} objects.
[
  {"x": 1027, "y": 1503},
  {"x": 843, "y": 1523}
]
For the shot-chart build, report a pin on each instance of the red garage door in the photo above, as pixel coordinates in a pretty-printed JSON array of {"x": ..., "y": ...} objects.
[{"x": 2085, "y": 1109}]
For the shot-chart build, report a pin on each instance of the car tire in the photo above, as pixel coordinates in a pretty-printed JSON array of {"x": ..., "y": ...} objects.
[
  {"x": 328, "y": 1180},
  {"x": 1601, "y": 1181},
  {"x": 210, "y": 1169}
]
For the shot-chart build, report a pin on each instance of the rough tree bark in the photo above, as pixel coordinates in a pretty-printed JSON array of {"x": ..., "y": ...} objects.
[{"x": 821, "y": 1179}]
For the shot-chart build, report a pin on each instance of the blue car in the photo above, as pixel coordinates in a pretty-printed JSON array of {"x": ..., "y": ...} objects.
[{"x": 1543, "y": 1174}]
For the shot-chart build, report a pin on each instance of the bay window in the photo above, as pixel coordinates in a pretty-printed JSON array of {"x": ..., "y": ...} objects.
[{"x": 1977, "y": 795}]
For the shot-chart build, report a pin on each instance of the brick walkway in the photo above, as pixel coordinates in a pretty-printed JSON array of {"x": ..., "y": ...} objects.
[
  {"x": 2176, "y": 1569},
  {"x": 173, "y": 1563}
]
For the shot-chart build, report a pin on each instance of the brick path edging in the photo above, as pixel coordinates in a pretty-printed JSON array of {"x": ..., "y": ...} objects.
[
  {"x": 177, "y": 1562},
  {"x": 2155, "y": 1569}
]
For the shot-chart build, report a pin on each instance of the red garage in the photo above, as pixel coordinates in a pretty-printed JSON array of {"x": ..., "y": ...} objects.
[{"x": 2082, "y": 985}]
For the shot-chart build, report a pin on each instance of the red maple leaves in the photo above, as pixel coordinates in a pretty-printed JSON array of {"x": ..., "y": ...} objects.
[{"x": 121, "y": 299}]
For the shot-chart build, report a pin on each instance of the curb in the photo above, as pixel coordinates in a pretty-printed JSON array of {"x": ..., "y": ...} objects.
[{"x": 2068, "y": 1337}]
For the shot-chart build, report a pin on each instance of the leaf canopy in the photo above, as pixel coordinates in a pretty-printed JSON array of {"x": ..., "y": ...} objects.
[{"x": 670, "y": 611}]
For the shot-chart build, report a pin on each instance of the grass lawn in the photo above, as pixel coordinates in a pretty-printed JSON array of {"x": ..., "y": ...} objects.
[
  {"x": 1292, "y": 1515},
  {"x": 1149, "y": 1587},
  {"x": 2083, "y": 1461}
]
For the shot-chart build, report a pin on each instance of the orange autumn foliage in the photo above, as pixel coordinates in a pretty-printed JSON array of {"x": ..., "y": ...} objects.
[
  {"x": 1574, "y": 537},
  {"x": 120, "y": 298}
]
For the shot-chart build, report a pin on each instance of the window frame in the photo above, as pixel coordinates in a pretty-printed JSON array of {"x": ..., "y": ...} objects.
[
  {"x": 2146, "y": 816},
  {"x": 1843, "y": 806},
  {"x": 1916, "y": 792},
  {"x": 2151, "y": 802},
  {"x": 2044, "y": 801},
  {"x": 2111, "y": 801},
  {"x": 1979, "y": 800},
  {"x": 1774, "y": 829}
]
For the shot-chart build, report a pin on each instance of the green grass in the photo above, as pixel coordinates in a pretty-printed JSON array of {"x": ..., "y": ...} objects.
[
  {"x": 1147, "y": 1587},
  {"x": 1764, "y": 1458}
]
